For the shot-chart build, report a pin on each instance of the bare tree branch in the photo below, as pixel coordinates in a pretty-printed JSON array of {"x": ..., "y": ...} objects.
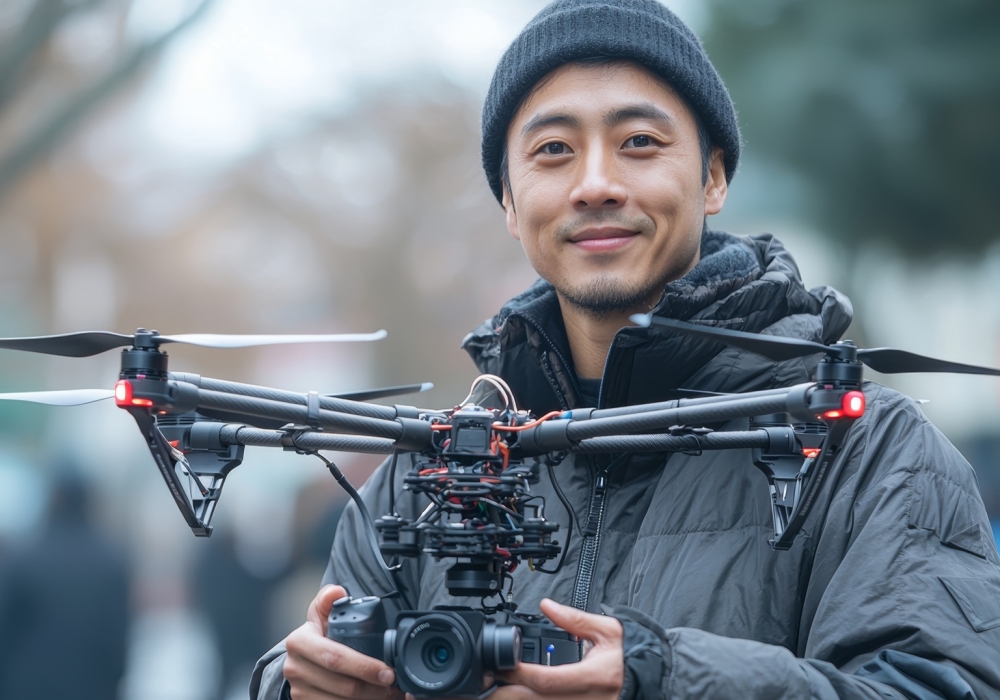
[
  {"x": 36, "y": 30},
  {"x": 52, "y": 131}
]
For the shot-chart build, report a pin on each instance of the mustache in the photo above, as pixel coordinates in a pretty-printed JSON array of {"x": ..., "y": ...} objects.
[{"x": 642, "y": 224}]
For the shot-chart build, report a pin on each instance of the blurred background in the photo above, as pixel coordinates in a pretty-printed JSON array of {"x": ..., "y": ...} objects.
[{"x": 260, "y": 166}]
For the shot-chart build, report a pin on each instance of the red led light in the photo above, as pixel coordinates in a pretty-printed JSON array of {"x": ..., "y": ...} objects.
[
  {"x": 853, "y": 404},
  {"x": 811, "y": 452},
  {"x": 123, "y": 393},
  {"x": 123, "y": 396}
]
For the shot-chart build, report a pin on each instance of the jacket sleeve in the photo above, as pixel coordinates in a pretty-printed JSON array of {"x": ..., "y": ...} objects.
[
  {"x": 352, "y": 565},
  {"x": 903, "y": 597}
]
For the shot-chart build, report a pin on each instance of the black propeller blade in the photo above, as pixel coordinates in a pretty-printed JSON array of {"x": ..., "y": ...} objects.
[
  {"x": 778, "y": 348},
  {"x": 892, "y": 361},
  {"x": 773, "y": 347},
  {"x": 82, "y": 344},
  {"x": 388, "y": 391},
  {"x": 87, "y": 343}
]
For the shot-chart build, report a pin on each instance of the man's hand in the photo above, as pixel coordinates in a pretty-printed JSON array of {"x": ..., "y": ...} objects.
[
  {"x": 601, "y": 674},
  {"x": 318, "y": 668}
]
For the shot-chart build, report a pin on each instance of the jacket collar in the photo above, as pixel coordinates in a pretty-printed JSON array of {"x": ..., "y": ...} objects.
[{"x": 750, "y": 284}]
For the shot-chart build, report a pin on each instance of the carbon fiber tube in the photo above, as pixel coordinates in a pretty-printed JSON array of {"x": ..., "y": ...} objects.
[
  {"x": 704, "y": 414},
  {"x": 265, "y": 408},
  {"x": 675, "y": 443},
  {"x": 676, "y": 403},
  {"x": 244, "y": 435},
  {"x": 356, "y": 408}
]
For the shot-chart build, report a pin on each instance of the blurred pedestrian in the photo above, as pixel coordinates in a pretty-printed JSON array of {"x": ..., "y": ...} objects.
[
  {"x": 64, "y": 607},
  {"x": 235, "y": 599}
]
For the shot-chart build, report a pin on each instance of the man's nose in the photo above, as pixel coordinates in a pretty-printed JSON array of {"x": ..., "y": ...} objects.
[{"x": 598, "y": 184}]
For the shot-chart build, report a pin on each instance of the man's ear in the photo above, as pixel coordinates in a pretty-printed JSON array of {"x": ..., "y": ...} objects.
[
  {"x": 508, "y": 207},
  {"x": 716, "y": 187}
]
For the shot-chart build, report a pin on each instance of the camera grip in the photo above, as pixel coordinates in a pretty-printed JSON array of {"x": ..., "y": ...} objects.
[{"x": 359, "y": 624}]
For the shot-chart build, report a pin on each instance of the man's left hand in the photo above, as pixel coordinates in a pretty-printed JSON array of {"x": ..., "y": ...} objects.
[{"x": 601, "y": 674}]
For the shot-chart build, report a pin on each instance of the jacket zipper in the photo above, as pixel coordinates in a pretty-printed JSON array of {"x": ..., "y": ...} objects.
[
  {"x": 591, "y": 541},
  {"x": 595, "y": 516}
]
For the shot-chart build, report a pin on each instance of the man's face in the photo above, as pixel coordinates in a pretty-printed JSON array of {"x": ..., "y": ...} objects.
[{"x": 606, "y": 185}]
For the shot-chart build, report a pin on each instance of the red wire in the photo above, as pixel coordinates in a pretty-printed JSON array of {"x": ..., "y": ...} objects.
[{"x": 532, "y": 424}]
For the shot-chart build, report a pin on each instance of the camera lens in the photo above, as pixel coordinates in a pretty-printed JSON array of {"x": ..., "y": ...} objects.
[
  {"x": 501, "y": 646},
  {"x": 438, "y": 653},
  {"x": 435, "y": 653}
]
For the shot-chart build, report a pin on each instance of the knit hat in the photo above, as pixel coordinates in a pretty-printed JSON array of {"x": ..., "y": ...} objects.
[{"x": 641, "y": 30}]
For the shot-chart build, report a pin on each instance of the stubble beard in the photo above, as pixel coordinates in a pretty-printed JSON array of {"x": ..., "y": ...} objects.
[{"x": 606, "y": 295}]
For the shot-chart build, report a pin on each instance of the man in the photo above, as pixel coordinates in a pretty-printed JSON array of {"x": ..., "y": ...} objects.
[{"x": 608, "y": 137}]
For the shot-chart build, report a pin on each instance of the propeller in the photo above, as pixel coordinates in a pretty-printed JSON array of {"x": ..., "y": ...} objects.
[
  {"x": 67, "y": 397},
  {"x": 388, "y": 391},
  {"x": 779, "y": 348},
  {"x": 88, "y": 343}
]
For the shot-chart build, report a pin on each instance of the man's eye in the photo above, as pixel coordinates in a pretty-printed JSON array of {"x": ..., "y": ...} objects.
[
  {"x": 639, "y": 142},
  {"x": 554, "y": 149}
]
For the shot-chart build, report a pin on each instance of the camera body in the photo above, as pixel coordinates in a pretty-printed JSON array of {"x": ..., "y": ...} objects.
[{"x": 445, "y": 651}]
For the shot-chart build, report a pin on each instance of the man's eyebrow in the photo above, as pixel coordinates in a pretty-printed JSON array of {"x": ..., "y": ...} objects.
[
  {"x": 540, "y": 121},
  {"x": 638, "y": 111}
]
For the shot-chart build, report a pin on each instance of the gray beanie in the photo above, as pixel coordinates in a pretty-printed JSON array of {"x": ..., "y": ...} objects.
[{"x": 641, "y": 30}]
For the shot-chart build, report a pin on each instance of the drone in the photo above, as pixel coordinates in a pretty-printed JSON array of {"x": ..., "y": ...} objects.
[
  {"x": 474, "y": 465},
  {"x": 470, "y": 458}
]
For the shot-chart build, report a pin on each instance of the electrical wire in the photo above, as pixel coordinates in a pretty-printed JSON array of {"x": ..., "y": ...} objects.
[
  {"x": 366, "y": 518},
  {"x": 392, "y": 483},
  {"x": 572, "y": 521},
  {"x": 532, "y": 424},
  {"x": 498, "y": 383}
]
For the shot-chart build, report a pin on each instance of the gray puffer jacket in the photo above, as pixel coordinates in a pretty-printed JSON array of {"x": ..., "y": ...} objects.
[{"x": 892, "y": 589}]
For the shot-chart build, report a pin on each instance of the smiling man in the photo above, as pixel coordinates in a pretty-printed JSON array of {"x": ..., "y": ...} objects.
[{"x": 608, "y": 137}]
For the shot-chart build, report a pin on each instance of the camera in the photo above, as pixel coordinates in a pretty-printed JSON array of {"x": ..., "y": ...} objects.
[{"x": 445, "y": 651}]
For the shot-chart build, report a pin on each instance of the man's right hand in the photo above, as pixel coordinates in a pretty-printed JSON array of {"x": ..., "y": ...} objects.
[{"x": 318, "y": 668}]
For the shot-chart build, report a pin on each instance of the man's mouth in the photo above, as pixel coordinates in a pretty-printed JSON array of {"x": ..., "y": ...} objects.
[{"x": 602, "y": 240}]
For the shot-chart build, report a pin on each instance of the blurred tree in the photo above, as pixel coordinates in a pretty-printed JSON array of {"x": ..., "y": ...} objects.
[
  {"x": 21, "y": 56},
  {"x": 890, "y": 109}
]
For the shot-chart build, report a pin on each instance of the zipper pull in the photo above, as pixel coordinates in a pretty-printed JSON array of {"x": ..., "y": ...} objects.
[
  {"x": 596, "y": 503},
  {"x": 601, "y": 485}
]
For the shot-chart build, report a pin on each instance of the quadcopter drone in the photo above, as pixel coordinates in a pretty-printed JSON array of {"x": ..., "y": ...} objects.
[{"x": 475, "y": 467}]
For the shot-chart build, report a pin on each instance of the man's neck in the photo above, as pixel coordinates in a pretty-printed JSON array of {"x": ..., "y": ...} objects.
[{"x": 590, "y": 336}]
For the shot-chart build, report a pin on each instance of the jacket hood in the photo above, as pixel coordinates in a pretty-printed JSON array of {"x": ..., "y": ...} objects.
[{"x": 743, "y": 283}]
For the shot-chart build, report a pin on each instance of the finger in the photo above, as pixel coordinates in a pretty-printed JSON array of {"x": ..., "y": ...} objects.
[
  {"x": 302, "y": 673},
  {"x": 319, "y": 608},
  {"x": 514, "y": 692},
  {"x": 339, "y": 658},
  {"x": 597, "y": 628},
  {"x": 596, "y": 673}
]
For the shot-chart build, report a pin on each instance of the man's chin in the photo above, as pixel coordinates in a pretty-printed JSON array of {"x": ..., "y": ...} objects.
[{"x": 607, "y": 296}]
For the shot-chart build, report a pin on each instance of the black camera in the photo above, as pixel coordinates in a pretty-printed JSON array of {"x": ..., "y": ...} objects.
[{"x": 445, "y": 651}]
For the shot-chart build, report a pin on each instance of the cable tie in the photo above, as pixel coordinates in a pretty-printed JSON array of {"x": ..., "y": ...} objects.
[{"x": 312, "y": 410}]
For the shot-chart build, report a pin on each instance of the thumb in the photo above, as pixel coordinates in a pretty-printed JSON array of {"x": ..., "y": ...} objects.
[
  {"x": 594, "y": 628},
  {"x": 319, "y": 609}
]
